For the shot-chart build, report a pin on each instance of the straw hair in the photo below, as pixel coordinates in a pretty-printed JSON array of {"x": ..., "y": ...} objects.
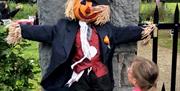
[
  {"x": 146, "y": 34},
  {"x": 103, "y": 17},
  {"x": 69, "y": 12},
  {"x": 14, "y": 34}
]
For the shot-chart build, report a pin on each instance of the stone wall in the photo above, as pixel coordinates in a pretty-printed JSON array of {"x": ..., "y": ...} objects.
[
  {"x": 49, "y": 11},
  {"x": 123, "y": 13}
]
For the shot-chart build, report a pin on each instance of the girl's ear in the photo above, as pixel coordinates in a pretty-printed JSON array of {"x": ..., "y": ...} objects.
[{"x": 134, "y": 82}]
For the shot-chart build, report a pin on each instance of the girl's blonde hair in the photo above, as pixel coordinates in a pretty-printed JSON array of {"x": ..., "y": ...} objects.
[{"x": 145, "y": 72}]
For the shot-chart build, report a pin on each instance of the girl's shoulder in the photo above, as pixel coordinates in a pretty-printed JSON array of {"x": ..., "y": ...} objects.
[{"x": 136, "y": 89}]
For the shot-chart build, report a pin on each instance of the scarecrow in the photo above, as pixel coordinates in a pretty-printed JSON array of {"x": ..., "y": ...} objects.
[{"x": 82, "y": 46}]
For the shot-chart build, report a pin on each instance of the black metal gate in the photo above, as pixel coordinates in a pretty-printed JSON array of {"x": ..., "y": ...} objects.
[{"x": 175, "y": 26}]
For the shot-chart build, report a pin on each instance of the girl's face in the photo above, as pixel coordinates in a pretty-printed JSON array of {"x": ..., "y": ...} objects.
[{"x": 131, "y": 79}]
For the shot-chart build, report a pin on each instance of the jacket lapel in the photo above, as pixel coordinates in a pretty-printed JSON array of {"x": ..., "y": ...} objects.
[
  {"x": 102, "y": 33},
  {"x": 70, "y": 34},
  {"x": 69, "y": 37}
]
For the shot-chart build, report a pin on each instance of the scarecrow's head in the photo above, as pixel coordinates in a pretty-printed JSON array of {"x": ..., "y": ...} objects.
[{"x": 96, "y": 11}]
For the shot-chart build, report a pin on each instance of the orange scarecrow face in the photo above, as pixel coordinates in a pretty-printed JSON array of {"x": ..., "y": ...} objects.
[
  {"x": 88, "y": 11},
  {"x": 84, "y": 10}
]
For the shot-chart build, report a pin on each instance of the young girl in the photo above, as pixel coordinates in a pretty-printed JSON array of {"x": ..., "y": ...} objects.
[{"x": 143, "y": 74}]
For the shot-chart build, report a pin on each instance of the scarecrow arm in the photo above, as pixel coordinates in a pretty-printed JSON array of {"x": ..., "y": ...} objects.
[
  {"x": 126, "y": 34},
  {"x": 38, "y": 33},
  {"x": 41, "y": 33}
]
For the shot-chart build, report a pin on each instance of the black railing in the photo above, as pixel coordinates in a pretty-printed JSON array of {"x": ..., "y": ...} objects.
[{"x": 175, "y": 27}]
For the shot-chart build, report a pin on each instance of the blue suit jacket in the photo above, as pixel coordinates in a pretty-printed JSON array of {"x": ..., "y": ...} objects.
[{"x": 62, "y": 37}]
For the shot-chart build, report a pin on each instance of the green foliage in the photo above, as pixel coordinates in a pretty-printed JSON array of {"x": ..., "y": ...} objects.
[
  {"x": 32, "y": 51},
  {"x": 24, "y": 1},
  {"x": 146, "y": 11},
  {"x": 166, "y": 11},
  {"x": 19, "y": 68},
  {"x": 15, "y": 70},
  {"x": 27, "y": 10}
]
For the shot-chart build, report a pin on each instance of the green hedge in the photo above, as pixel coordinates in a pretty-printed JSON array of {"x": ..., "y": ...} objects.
[
  {"x": 19, "y": 70},
  {"x": 15, "y": 70}
]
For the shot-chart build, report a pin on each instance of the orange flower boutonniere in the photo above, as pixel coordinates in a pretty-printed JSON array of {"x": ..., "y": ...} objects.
[{"x": 107, "y": 41}]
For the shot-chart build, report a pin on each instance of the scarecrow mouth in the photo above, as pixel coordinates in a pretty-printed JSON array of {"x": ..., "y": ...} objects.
[{"x": 88, "y": 17}]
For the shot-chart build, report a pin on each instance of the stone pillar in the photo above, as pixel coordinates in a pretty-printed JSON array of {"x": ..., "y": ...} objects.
[
  {"x": 49, "y": 12},
  {"x": 123, "y": 13}
]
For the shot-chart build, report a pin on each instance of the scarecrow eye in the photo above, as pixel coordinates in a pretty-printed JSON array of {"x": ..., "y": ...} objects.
[
  {"x": 83, "y": 2},
  {"x": 94, "y": 3}
]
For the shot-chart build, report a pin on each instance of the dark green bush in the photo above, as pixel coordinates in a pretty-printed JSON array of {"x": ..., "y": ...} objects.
[{"x": 15, "y": 71}]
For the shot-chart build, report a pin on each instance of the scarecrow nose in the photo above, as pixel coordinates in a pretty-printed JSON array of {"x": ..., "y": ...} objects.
[{"x": 88, "y": 10}]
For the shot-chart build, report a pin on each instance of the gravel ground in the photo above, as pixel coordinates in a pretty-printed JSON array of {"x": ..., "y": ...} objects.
[{"x": 164, "y": 63}]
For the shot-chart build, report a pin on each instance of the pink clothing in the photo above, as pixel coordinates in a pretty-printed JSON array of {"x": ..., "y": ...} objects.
[{"x": 136, "y": 89}]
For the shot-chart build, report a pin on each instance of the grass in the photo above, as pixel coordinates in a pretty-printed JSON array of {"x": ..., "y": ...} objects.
[
  {"x": 27, "y": 10},
  {"x": 32, "y": 50},
  {"x": 165, "y": 40},
  {"x": 166, "y": 13}
]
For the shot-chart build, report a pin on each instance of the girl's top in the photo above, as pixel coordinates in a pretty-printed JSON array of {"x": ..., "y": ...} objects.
[{"x": 136, "y": 89}]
